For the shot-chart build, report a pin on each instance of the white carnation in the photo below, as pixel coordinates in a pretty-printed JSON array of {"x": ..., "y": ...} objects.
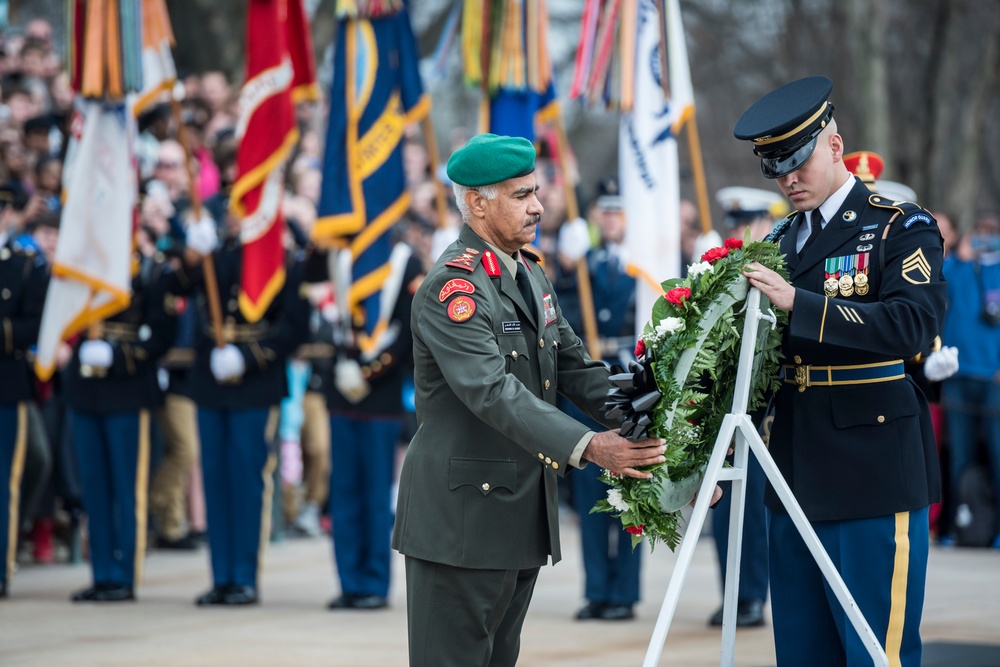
[
  {"x": 701, "y": 267},
  {"x": 669, "y": 325},
  {"x": 615, "y": 500}
]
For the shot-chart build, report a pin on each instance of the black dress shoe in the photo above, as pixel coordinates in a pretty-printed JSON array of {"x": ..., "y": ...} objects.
[
  {"x": 345, "y": 601},
  {"x": 369, "y": 602},
  {"x": 749, "y": 614},
  {"x": 104, "y": 592},
  {"x": 240, "y": 595},
  {"x": 617, "y": 612},
  {"x": 590, "y": 611},
  {"x": 3, "y": 588},
  {"x": 215, "y": 596}
]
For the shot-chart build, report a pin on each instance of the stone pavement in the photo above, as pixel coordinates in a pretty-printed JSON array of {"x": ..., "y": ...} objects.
[{"x": 40, "y": 627}]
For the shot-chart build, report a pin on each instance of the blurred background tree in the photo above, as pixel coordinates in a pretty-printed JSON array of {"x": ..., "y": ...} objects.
[{"x": 917, "y": 82}]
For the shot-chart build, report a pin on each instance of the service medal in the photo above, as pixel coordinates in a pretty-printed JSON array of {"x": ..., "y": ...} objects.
[
  {"x": 830, "y": 286},
  {"x": 861, "y": 285},
  {"x": 846, "y": 285}
]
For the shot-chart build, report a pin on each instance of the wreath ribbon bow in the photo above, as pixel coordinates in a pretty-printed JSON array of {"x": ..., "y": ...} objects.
[{"x": 632, "y": 395}]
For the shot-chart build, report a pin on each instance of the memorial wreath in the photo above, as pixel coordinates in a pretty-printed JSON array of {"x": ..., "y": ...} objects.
[{"x": 683, "y": 386}]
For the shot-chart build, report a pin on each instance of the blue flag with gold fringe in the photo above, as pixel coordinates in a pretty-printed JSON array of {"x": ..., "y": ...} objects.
[{"x": 376, "y": 93}]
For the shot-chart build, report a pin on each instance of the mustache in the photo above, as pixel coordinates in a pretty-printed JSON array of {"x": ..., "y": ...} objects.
[{"x": 535, "y": 219}]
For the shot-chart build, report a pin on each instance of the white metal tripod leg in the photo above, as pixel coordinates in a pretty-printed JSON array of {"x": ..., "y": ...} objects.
[
  {"x": 734, "y": 556},
  {"x": 686, "y": 552}
]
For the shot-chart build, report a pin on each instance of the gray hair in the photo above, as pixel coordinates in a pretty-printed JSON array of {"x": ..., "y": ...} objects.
[{"x": 487, "y": 191}]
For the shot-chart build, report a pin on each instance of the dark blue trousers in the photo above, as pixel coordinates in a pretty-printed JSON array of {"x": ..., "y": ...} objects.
[
  {"x": 611, "y": 568},
  {"x": 883, "y": 561},
  {"x": 237, "y": 467},
  {"x": 363, "y": 462},
  {"x": 753, "y": 555},
  {"x": 112, "y": 457},
  {"x": 13, "y": 443}
]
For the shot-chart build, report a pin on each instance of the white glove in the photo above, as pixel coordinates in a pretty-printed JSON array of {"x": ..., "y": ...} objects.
[
  {"x": 350, "y": 382},
  {"x": 202, "y": 235},
  {"x": 227, "y": 363},
  {"x": 96, "y": 353},
  {"x": 574, "y": 239},
  {"x": 942, "y": 364}
]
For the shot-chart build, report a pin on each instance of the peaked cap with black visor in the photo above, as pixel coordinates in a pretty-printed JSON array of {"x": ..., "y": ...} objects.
[{"x": 784, "y": 124}]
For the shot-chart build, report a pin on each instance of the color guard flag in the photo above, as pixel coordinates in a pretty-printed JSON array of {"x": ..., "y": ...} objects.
[
  {"x": 376, "y": 93},
  {"x": 280, "y": 73},
  {"x": 91, "y": 272},
  {"x": 647, "y": 156},
  {"x": 158, "y": 71}
]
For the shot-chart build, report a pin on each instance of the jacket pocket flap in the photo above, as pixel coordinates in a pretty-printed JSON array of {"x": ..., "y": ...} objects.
[
  {"x": 484, "y": 474},
  {"x": 872, "y": 406}
]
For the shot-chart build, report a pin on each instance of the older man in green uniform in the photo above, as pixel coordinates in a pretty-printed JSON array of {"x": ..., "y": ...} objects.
[{"x": 477, "y": 509}]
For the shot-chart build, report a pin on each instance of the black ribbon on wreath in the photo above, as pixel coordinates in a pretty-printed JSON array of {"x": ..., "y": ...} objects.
[{"x": 632, "y": 395}]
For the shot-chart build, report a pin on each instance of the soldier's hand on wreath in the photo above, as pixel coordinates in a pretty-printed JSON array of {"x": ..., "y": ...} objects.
[
  {"x": 96, "y": 353},
  {"x": 772, "y": 285},
  {"x": 613, "y": 452}
]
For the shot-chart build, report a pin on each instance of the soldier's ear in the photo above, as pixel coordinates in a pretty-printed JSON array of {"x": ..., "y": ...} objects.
[
  {"x": 837, "y": 147},
  {"x": 476, "y": 203}
]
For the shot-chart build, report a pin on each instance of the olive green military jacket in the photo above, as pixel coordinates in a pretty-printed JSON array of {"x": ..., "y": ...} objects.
[{"x": 478, "y": 484}]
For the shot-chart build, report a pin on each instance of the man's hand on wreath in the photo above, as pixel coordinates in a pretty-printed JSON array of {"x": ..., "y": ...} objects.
[
  {"x": 772, "y": 285},
  {"x": 613, "y": 452}
]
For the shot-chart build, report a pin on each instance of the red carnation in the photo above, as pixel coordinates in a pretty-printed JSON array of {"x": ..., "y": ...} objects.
[
  {"x": 640, "y": 348},
  {"x": 634, "y": 530},
  {"x": 734, "y": 244},
  {"x": 678, "y": 295},
  {"x": 715, "y": 254}
]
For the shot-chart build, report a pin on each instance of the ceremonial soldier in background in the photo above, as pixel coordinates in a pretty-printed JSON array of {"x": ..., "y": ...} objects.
[
  {"x": 238, "y": 389},
  {"x": 611, "y": 567},
  {"x": 23, "y": 282},
  {"x": 365, "y": 399},
  {"x": 851, "y": 434},
  {"x": 753, "y": 210},
  {"x": 111, "y": 390}
]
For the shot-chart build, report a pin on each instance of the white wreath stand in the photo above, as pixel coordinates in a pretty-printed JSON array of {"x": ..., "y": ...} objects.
[{"x": 737, "y": 423}]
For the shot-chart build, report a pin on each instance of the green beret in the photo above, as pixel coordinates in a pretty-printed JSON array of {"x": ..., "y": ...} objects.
[{"x": 488, "y": 158}]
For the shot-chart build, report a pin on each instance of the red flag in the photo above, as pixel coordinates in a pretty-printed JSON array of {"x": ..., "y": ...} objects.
[{"x": 280, "y": 72}]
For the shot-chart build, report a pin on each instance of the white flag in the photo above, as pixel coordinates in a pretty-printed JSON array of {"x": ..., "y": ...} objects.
[
  {"x": 647, "y": 156},
  {"x": 91, "y": 272}
]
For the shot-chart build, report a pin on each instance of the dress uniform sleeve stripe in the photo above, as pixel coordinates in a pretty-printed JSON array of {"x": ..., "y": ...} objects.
[{"x": 900, "y": 575}]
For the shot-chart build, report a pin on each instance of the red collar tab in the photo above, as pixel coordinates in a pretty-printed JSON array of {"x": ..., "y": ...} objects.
[{"x": 491, "y": 263}]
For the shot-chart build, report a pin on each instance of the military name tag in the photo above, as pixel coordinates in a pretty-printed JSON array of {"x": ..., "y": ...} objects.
[
  {"x": 548, "y": 309},
  {"x": 511, "y": 327}
]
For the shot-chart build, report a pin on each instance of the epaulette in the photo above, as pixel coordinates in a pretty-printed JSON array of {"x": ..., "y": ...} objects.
[
  {"x": 464, "y": 260},
  {"x": 911, "y": 213}
]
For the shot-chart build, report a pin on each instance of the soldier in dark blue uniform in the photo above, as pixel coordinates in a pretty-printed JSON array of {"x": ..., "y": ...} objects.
[
  {"x": 238, "y": 389},
  {"x": 747, "y": 209},
  {"x": 611, "y": 567},
  {"x": 365, "y": 398},
  {"x": 111, "y": 390},
  {"x": 852, "y": 434},
  {"x": 23, "y": 282}
]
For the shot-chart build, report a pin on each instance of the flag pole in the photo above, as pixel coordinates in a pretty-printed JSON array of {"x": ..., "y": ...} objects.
[
  {"x": 698, "y": 167},
  {"x": 208, "y": 264},
  {"x": 430, "y": 141},
  {"x": 586, "y": 293}
]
